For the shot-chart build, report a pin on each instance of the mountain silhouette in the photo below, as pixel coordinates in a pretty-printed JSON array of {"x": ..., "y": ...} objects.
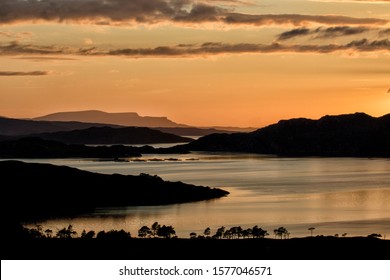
[
  {"x": 123, "y": 119},
  {"x": 20, "y": 127},
  {"x": 345, "y": 135},
  {"x": 10, "y": 127},
  {"x": 109, "y": 135}
]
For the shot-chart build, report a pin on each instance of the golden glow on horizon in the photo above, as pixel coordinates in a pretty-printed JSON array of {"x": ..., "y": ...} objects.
[{"x": 43, "y": 68}]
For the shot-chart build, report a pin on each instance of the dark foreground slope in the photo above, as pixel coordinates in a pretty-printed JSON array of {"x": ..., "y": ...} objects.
[
  {"x": 316, "y": 248},
  {"x": 43, "y": 190},
  {"x": 355, "y": 135}
]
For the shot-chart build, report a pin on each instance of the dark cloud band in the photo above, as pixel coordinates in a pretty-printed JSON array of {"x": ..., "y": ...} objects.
[
  {"x": 31, "y": 73},
  {"x": 205, "y": 49},
  {"x": 155, "y": 11},
  {"x": 323, "y": 33}
]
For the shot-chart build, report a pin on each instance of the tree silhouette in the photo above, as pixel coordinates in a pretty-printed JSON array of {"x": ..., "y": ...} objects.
[
  {"x": 247, "y": 233},
  {"x": 207, "y": 232},
  {"x": 49, "y": 233},
  {"x": 220, "y": 232},
  {"x": 113, "y": 235},
  {"x": 282, "y": 232},
  {"x": 193, "y": 235},
  {"x": 258, "y": 232},
  {"x": 236, "y": 232},
  {"x": 36, "y": 232},
  {"x": 311, "y": 230},
  {"x": 155, "y": 227},
  {"x": 227, "y": 234},
  {"x": 66, "y": 232},
  {"x": 87, "y": 235},
  {"x": 166, "y": 231},
  {"x": 344, "y": 234},
  {"x": 144, "y": 232}
]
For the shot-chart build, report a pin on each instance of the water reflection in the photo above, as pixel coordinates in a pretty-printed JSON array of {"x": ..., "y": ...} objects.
[{"x": 331, "y": 194}]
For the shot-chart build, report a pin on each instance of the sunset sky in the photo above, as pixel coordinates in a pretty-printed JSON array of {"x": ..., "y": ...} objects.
[{"x": 204, "y": 63}]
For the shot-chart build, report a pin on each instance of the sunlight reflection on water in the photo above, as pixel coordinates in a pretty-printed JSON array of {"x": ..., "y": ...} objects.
[{"x": 332, "y": 194}]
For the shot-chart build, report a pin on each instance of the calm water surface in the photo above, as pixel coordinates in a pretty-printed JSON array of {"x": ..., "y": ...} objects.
[{"x": 334, "y": 195}]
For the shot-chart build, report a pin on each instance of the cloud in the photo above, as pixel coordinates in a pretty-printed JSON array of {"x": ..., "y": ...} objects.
[
  {"x": 46, "y": 58},
  {"x": 210, "y": 49},
  {"x": 338, "y": 31},
  {"x": 15, "y": 35},
  {"x": 297, "y": 20},
  {"x": 215, "y": 48},
  {"x": 30, "y": 73},
  {"x": 294, "y": 33},
  {"x": 384, "y": 32},
  {"x": 125, "y": 12},
  {"x": 15, "y": 48},
  {"x": 323, "y": 33}
]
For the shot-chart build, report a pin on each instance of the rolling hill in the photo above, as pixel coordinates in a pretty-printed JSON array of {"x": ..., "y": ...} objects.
[{"x": 355, "y": 135}]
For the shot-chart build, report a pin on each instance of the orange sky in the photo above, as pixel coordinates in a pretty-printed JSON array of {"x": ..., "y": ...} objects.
[{"x": 227, "y": 63}]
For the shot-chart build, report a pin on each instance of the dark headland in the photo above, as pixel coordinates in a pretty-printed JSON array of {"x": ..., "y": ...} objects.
[
  {"x": 34, "y": 147},
  {"x": 352, "y": 135},
  {"x": 44, "y": 190}
]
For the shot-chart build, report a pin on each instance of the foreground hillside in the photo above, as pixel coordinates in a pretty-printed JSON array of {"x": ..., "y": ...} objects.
[
  {"x": 316, "y": 248},
  {"x": 44, "y": 190},
  {"x": 344, "y": 135}
]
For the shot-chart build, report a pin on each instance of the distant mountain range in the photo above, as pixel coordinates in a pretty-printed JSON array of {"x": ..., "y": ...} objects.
[
  {"x": 69, "y": 121},
  {"x": 122, "y": 119},
  {"x": 133, "y": 119},
  {"x": 109, "y": 135},
  {"x": 11, "y": 127},
  {"x": 352, "y": 135},
  {"x": 344, "y": 135}
]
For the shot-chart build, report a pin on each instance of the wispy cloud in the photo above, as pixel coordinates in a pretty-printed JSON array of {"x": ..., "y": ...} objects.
[
  {"x": 215, "y": 48},
  {"x": 297, "y": 19},
  {"x": 16, "y": 48},
  {"x": 209, "y": 49},
  {"x": 323, "y": 33},
  {"x": 294, "y": 33},
  {"x": 14, "y": 35},
  {"x": 124, "y": 12},
  {"x": 30, "y": 73},
  {"x": 384, "y": 32}
]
